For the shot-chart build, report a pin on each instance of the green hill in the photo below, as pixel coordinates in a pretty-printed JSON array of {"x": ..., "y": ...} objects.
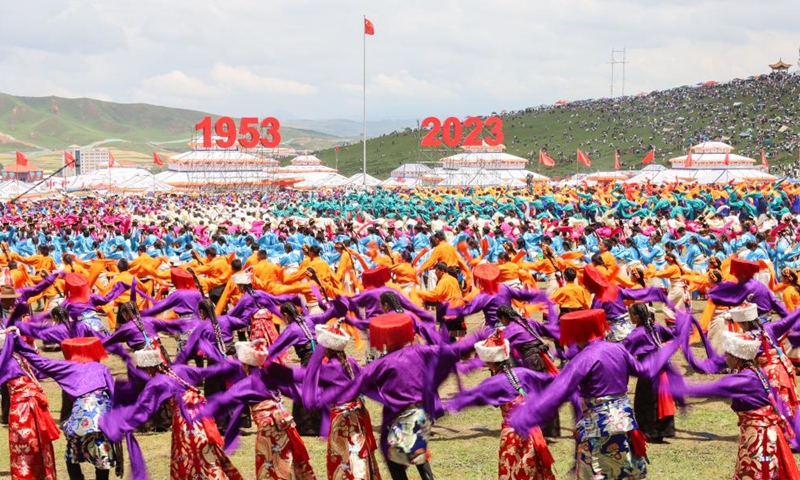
[
  {"x": 37, "y": 124},
  {"x": 759, "y": 112}
]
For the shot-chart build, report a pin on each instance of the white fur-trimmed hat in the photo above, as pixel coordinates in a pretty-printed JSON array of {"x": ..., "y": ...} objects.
[
  {"x": 242, "y": 278},
  {"x": 251, "y": 353},
  {"x": 739, "y": 346},
  {"x": 494, "y": 349},
  {"x": 746, "y": 312},
  {"x": 147, "y": 357},
  {"x": 331, "y": 337}
]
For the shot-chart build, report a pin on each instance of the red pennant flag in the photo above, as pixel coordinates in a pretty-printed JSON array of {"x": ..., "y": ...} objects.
[
  {"x": 688, "y": 162},
  {"x": 764, "y": 159},
  {"x": 369, "y": 28},
  {"x": 111, "y": 159},
  {"x": 545, "y": 159},
  {"x": 651, "y": 155},
  {"x": 616, "y": 159},
  {"x": 584, "y": 159},
  {"x": 727, "y": 158},
  {"x": 22, "y": 160},
  {"x": 337, "y": 148},
  {"x": 69, "y": 160},
  {"x": 157, "y": 160}
]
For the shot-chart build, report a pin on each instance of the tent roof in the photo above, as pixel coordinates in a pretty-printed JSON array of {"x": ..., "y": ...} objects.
[{"x": 358, "y": 179}]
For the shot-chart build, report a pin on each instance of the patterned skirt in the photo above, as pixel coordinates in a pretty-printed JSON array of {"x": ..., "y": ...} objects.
[
  {"x": 408, "y": 437},
  {"x": 605, "y": 446},
  {"x": 764, "y": 453},
  {"x": 85, "y": 441},
  {"x": 351, "y": 444},
  {"x": 31, "y": 432},
  {"x": 197, "y": 446},
  {"x": 523, "y": 458},
  {"x": 609, "y": 458},
  {"x": 280, "y": 451}
]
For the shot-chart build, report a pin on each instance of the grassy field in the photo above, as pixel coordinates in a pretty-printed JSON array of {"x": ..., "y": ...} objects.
[
  {"x": 465, "y": 446},
  {"x": 526, "y": 132},
  {"x": 39, "y": 124}
]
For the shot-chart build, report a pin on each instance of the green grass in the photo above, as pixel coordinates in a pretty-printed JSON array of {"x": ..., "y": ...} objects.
[
  {"x": 53, "y": 123},
  {"x": 465, "y": 445},
  {"x": 535, "y": 130}
]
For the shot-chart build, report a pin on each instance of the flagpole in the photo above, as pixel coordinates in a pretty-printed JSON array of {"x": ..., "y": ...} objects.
[{"x": 364, "y": 94}]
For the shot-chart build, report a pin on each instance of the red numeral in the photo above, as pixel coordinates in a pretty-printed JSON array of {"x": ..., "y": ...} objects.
[
  {"x": 248, "y": 133},
  {"x": 472, "y": 138},
  {"x": 431, "y": 139},
  {"x": 495, "y": 125},
  {"x": 248, "y": 129},
  {"x": 453, "y": 140},
  {"x": 205, "y": 126},
  {"x": 226, "y": 128},
  {"x": 272, "y": 137}
]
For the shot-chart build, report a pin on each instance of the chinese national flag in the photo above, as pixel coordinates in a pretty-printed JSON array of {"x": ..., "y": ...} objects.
[
  {"x": 764, "y": 159},
  {"x": 727, "y": 158},
  {"x": 22, "y": 160},
  {"x": 616, "y": 159},
  {"x": 111, "y": 160},
  {"x": 651, "y": 155},
  {"x": 157, "y": 160},
  {"x": 688, "y": 162},
  {"x": 69, "y": 160},
  {"x": 369, "y": 28},
  {"x": 584, "y": 159},
  {"x": 545, "y": 159}
]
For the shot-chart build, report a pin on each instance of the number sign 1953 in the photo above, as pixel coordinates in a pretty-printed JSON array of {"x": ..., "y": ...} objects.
[{"x": 248, "y": 134}]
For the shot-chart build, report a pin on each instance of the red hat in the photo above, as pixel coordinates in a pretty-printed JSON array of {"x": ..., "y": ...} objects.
[
  {"x": 391, "y": 331},
  {"x": 486, "y": 275},
  {"x": 583, "y": 326},
  {"x": 598, "y": 284},
  {"x": 376, "y": 277},
  {"x": 83, "y": 350},
  {"x": 182, "y": 279},
  {"x": 744, "y": 268},
  {"x": 76, "y": 288}
]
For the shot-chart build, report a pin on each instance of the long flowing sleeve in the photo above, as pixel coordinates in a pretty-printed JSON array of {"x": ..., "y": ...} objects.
[
  {"x": 497, "y": 390},
  {"x": 123, "y": 420}
]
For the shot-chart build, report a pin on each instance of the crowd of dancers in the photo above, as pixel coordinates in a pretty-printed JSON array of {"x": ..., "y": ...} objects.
[{"x": 371, "y": 289}]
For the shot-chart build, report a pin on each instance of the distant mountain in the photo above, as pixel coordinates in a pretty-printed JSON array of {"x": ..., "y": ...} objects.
[
  {"x": 351, "y": 129},
  {"x": 32, "y": 124}
]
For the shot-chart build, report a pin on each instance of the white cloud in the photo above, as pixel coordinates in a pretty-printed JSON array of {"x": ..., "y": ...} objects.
[
  {"x": 451, "y": 57},
  {"x": 242, "y": 78}
]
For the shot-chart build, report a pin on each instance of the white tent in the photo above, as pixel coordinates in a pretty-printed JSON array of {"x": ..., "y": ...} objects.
[
  {"x": 13, "y": 188},
  {"x": 659, "y": 174},
  {"x": 357, "y": 180},
  {"x": 110, "y": 178},
  {"x": 321, "y": 180}
]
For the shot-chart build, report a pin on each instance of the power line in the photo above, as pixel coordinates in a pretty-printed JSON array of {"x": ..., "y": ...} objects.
[{"x": 614, "y": 62}]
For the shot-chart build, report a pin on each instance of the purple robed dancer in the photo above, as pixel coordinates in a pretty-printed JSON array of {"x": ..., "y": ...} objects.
[
  {"x": 490, "y": 303},
  {"x": 404, "y": 382},
  {"x": 255, "y": 300},
  {"x": 653, "y": 404},
  {"x": 763, "y": 449},
  {"x": 370, "y": 301},
  {"x": 90, "y": 390},
  {"x": 599, "y": 373},
  {"x": 183, "y": 302},
  {"x": 747, "y": 290},
  {"x": 196, "y": 444}
]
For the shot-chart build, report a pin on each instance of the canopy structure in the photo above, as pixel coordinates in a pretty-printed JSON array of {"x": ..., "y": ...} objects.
[
  {"x": 711, "y": 155},
  {"x": 359, "y": 180},
  {"x": 409, "y": 170},
  {"x": 320, "y": 180},
  {"x": 608, "y": 177},
  {"x": 485, "y": 159},
  {"x": 11, "y": 189},
  {"x": 134, "y": 179},
  {"x": 659, "y": 174},
  {"x": 215, "y": 179}
]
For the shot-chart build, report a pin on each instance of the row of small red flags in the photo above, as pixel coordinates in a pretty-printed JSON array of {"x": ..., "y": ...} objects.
[{"x": 548, "y": 161}]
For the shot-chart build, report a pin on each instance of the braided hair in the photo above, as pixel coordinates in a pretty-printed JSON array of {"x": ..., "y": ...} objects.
[
  {"x": 289, "y": 310},
  {"x": 393, "y": 301},
  {"x": 642, "y": 311}
]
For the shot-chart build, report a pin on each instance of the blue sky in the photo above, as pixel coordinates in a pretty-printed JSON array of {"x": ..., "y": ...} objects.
[{"x": 302, "y": 59}]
